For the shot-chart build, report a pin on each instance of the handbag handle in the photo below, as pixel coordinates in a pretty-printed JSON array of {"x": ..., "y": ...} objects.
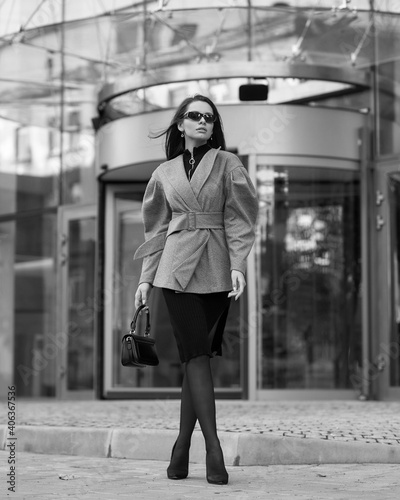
[{"x": 138, "y": 311}]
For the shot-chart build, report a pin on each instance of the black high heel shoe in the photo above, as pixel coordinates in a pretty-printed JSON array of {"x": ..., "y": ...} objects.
[
  {"x": 216, "y": 472},
  {"x": 180, "y": 472}
]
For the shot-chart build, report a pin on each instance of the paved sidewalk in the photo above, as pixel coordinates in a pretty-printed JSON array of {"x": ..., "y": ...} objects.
[
  {"x": 45, "y": 477},
  {"x": 252, "y": 433}
]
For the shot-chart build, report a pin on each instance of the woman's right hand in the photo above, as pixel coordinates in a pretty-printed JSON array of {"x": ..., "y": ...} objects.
[{"x": 142, "y": 294}]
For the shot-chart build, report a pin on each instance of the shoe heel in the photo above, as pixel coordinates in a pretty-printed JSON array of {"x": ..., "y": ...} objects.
[
  {"x": 216, "y": 472},
  {"x": 178, "y": 472}
]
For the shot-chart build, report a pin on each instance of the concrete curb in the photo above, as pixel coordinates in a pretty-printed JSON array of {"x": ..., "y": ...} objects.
[
  {"x": 239, "y": 448},
  {"x": 64, "y": 440}
]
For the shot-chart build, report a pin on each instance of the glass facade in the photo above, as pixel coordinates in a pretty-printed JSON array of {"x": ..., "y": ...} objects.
[
  {"x": 70, "y": 67},
  {"x": 80, "y": 304},
  {"x": 308, "y": 266},
  {"x": 29, "y": 173},
  {"x": 7, "y": 317},
  {"x": 394, "y": 346},
  {"x": 34, "y": 305},
  {"x": 60, "y": 54}
]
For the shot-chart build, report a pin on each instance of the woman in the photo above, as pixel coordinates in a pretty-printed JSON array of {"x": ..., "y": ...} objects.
[{"x": 199, "y": 213}]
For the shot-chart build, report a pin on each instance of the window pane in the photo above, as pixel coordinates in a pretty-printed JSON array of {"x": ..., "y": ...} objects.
[
  {"x": 387, "y": 89},
  {"x": 29, "y": 168},
  {"x": 308, "y": 259},
  {"x": 36, "y": 347},
  {"x": 79, "y": 176},
  {"x": 81, "y": 303},
  {"x": 7, "y": 243},
  {"x": 129, "y": 236},
  {"x": 394, "y": 347}
]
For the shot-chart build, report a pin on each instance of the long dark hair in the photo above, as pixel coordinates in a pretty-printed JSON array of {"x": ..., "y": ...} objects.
[{"x": 175, "y": 144}]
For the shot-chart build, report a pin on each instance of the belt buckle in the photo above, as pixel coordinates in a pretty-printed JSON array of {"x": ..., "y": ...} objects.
[{"x": 191, "y": 220}]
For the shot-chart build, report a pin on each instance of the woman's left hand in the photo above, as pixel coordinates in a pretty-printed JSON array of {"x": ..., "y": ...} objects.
[{"x": 238, "y": 284}]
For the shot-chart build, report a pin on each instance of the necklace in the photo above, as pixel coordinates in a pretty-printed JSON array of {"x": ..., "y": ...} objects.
[{"x": 191, "y": 162}]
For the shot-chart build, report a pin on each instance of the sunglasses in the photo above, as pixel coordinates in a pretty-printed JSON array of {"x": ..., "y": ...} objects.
[{"x": 196, "y": 116}]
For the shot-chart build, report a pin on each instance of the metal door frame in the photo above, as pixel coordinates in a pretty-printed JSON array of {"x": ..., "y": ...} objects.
[
  {"x": 106, "y": 321},
  {"x": 255, "y": 393},
  {"x": 381, "y": 352},
  {"x": 111, "y": 189},
  {"x": 65, "y": 215}
]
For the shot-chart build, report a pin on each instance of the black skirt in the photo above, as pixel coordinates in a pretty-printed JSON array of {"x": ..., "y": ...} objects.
[{"x": 198, "y": 322}]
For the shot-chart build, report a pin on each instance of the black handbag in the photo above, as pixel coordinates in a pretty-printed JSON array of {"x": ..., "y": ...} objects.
[{"x": 139, "y": 350}]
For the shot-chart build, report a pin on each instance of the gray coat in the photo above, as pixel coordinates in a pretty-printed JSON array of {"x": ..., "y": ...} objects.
[{"x": 196, "y": 232}]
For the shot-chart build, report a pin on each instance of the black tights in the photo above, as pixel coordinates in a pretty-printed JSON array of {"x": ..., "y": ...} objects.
[{"x": 198, "y": 403}]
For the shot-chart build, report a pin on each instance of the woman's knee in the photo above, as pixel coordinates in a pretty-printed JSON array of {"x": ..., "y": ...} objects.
[{"x": 200, "y": 360}]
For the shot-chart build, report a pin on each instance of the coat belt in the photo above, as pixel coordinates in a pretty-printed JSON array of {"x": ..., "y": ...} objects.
[
  {"x": 191, "y": 221},
  {"x": 181, "y": 221}
]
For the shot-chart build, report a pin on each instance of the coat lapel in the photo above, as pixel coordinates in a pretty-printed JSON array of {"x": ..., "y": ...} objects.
[
  {"x": 175, "y": 175},
  {"x": 203, "y": 171}
]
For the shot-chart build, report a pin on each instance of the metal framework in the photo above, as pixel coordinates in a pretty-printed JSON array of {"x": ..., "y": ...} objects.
[{"x": 248, "y": 69}]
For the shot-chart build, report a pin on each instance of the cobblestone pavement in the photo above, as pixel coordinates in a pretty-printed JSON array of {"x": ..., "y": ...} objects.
[
  {"x": 366, "y": 422},
  {"x": 45, "y": 477}
]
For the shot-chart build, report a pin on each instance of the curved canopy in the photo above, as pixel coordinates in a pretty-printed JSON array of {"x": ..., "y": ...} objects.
[{"x": 58, "y": 53}]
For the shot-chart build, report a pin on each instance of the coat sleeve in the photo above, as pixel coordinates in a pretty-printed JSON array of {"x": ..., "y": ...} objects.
[
  {"x": 240, "y": 216},
  {"x": 156, "y": 217}
]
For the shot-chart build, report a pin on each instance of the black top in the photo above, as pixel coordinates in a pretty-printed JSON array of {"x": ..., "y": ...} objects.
[{"x": 198, "y": 154}]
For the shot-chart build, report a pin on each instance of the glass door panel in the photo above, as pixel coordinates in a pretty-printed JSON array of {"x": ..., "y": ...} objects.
[
  {"x": 309, "y": 278},
  {"x": 81, "y": 259},
  {"x": 78, "y": 253},
  {"x": 7, "y": 304},
  {"x": 128, "y": 231},
  {"x": 384, "y": 366},
  {"x": 394, "y": 216},
  {"x": 35, "y": 307},
  {"x": 124, "y": 234}
]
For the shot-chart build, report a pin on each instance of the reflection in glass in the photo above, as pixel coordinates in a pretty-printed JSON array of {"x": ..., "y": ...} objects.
[
  {"x": 36, "y": 346},
  {"x": 29, "y": 168},
  {"x": 388, "y": 71},
  {"x": 394, "y": 348},
  {"x": 309, "y": 287},
  {"x": 81, "y": 303},
  {"x": 79, "y": 177},
  {"x": 226, "y": 91},
  {"x": 128, "y": 237},
  {"x": 7, "y": 242},
  {"x": 112, "y": 39}
]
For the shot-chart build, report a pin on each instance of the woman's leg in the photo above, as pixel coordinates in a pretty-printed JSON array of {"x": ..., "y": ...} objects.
[
  {"x": 188, "y": 417},
  {"x": 199, "y": 378},
  {"x": 178, "y": 468},
  {"x": 201, "y": 386}
]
